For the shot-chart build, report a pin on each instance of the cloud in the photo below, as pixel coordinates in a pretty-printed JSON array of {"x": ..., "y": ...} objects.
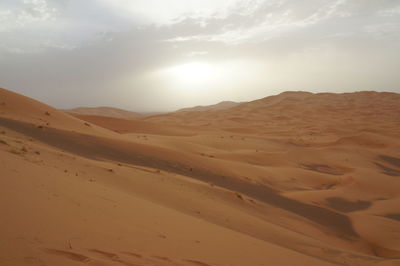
[
  {"x": 168, "y": 12},
  {"x": 260, "y": 21},
  {"x": 34, "y": 25},
  {"x": 31, "y": 26},
  {"x": 18, "y": 14}
]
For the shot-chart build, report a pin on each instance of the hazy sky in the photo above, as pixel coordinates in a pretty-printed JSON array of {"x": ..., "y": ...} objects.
[{"x": 161, "y": 55}]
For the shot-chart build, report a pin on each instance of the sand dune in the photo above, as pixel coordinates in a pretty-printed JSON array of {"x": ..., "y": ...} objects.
[
  {"x": 103, "y": 111},
  {"x": 125, "y": 126},
  {"x": 21, "y": 108},
  {"x": 219, "y": 106},
  {"x": 292, "y": 179}
]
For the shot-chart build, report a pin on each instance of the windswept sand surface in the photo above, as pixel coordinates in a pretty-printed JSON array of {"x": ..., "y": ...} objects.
[{"x": 292, "y": 179}]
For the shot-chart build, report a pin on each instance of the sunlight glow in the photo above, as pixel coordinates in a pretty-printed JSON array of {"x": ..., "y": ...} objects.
[
  {"x": 208, "y": 80},
  {"x": 192, "y": 73}
]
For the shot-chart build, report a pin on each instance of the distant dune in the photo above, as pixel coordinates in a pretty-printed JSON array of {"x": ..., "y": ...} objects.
[
  {"x": 219, "y": 106},
  {"x": 292, "y": 179},
  {"x": 132, "y": 125},
  {"x": 103, "y": 111}
]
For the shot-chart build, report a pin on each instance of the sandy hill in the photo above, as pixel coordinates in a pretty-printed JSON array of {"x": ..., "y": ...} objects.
[
  {"x": 295, "y": 109},
  {"x": 124, "y": 126},
  {"x": 293, "y": 179},
  {"x": 219, "y": 106},
  {"x": 104, "y": 111},
  {"x": 23, "y": 109}
]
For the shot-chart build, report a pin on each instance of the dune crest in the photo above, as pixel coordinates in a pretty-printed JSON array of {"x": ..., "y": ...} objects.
[
  {"x": 103, "y": 111},
  {"x": 219, "y": 106}
]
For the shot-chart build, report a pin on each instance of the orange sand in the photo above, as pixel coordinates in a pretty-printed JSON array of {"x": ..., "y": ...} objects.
[{"x": 292, "y": 179}]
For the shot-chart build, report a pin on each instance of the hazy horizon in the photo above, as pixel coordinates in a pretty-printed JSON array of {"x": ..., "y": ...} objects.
[
  {"x": 212, "y": 103},
  {"x": 152, "y": 56}
]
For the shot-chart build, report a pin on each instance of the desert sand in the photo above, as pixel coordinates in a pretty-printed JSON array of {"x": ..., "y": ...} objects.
[
  {"x": 292, "y": 179},
  {"x": 215, "y": 107},
  {"x": 103, "y": 111}
]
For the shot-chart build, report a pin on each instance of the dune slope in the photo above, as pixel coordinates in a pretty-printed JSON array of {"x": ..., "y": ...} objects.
[{"x": 104, "y": 111}]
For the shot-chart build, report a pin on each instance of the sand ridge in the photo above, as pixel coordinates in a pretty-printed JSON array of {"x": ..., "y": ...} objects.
[{"x": 103, "y": 111}]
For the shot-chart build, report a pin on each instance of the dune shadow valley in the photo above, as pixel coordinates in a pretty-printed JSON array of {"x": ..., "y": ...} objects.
[{"x": 298, "y": 178}]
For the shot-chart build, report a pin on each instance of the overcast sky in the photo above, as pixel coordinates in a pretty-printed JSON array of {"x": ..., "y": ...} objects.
[{"x": 161, "y": 55}]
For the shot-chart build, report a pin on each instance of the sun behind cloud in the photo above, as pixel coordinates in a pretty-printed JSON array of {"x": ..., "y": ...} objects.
[{"x": 192, "y": 73}]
